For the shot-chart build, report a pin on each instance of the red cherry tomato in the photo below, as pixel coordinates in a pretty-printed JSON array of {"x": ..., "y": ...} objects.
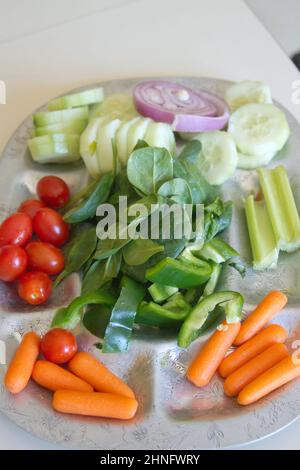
[
  {"x": 53, "y": 191},
  {"x": 30, "y": 207},
  {"x": 34, "y": 287},
  {"x": 13, "y": 262},
  {"x": 50, "y": 227},
  {"x": 16, "y": 230},
  {"x": 58, "y": 345},
  {"x": 45, "y": 257}
]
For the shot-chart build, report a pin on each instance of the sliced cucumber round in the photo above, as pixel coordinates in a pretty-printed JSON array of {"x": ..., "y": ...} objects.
[
  {"x": 117, "y": 106},
  {"x": 105, "y": 151},
  {"x": 88, "y": 145},
  {"x": 55, "y": 148},
  {"x": 250, "y": 162},
  {"x": 137, "y": 132},
  {"x": 121, "y": 139},
  {"x": 218, "y": 157},
  {"x": 69, "y": 127},
  {"x": 45, "y": 118},
  {"x": 159, "y": 134},
  {"x": 83, "y": 98},
  {"x": 246, "y": 92},
  {"x": 258, "y": 129}
]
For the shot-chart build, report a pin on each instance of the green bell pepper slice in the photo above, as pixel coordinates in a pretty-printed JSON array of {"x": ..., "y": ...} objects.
[
  {"x": 217, "y": 250},
  {"x": 178, "y": 273},
  {"x": 169, "y": 315},
  {"x": 69, "y": 317},
  {"x": 231, "y": 302}
]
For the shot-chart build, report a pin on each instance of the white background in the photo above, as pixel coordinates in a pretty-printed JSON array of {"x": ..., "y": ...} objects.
[{"x": 47, "y": 48}]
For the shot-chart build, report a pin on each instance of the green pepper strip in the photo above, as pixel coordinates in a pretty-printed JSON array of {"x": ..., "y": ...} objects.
[
  {"x": 169, "y": 315},
  {"x": 175, "y": 273},
  {"x": 119, "y": 329},
  {"x": 69, "y": 317},
  {"x": 232, "y": 303},
  {"x": 217, "y": 250}
]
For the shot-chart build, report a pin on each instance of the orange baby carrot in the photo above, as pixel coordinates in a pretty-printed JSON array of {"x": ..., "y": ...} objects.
[
  {"x": 20, "y": 369},
  {"x": 51, "y": 376},
  {"x": 280, "y": 374},
  {"x": 210, "y": 356},
  {"x": 88, "y": 368},
  {"x": 259, "y": 343},
  {"x": 264, "y": 312},
  {"x": 105, "y": 405},
  {"x": 241, "y": 377}
]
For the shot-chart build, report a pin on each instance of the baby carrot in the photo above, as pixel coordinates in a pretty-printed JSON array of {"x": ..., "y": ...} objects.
[
  {"x": 210, "y": 356},
  {"x": 105, "y": 405},
  {"x": 264, "y": 312},
  {"x": 241, "y": 377},
  {"x": 20, "y": 369},
  {"x": 259, "y": 343},
  {"x": 51, "y": 376},
  {"x": 280, "y": 374},
  {"x": 88, "y": 368}
]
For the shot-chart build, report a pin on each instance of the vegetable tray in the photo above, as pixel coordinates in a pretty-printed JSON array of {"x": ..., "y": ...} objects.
[{"x": 172, "y": 414}]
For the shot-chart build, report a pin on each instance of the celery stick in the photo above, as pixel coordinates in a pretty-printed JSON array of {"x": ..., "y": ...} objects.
[
  {"x": 281, "y": 207},
  {"x": 263, "y": 243}
]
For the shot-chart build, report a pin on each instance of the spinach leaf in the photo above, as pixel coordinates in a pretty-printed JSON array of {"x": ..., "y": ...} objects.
[
  {"x": 176, "y": 191},
  {"x": 148, "y": 168},
  {"x": 80, "y": 249},
  {"x": 109, "y": 246},
  {"x": 217, "y": 218},
  {"x": 88, "y": 207},
  {"x": 140, "y": 250},
  {"x": 186, "y": 166},
  {"x": 96, "y": 319},
  {"x": 119, "y": 330},
  {"x": 101, "y": 272}
]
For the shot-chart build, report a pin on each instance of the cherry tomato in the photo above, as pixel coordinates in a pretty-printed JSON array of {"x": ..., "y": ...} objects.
[
  {"x": 53, "y": 191},
  {"x": 50, "y": 227},
  {"x": 16, "y": 230},
  {"x": 13, "y": 262},
  {"x": 34, "y": 287},
  {"x": 30, "y": 207},
  {"x": 45, "y": 257},
  {"x": 58, "y": 345}
]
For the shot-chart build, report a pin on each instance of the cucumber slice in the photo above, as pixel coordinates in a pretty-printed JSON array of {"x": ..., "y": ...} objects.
[
  {"x": 218, "y": 157},
  {"x": 88, "y": 145},
  {"x": 137, "y": 132},
  {"x": 69, "y": 127},
  {"x": 105, "y": 135},
  {"x": 258, "y": 129},
  {"x": 117, "y": 106},
  {"x": 121, "y": 139},
  {"x": 77, "y": 99},
  {"x": 45, "y": 118},
  {"x": 159, "y": 134},
  {"x": 55, "y": 148},
  {"x": 246, "y": 92},
  {"x": 250, "y": 162}
]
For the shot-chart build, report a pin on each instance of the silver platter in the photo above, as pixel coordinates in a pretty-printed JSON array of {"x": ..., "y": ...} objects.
[{"x": 173, "y": 414}]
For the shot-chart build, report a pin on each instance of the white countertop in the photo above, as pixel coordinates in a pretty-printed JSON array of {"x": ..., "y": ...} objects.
[{"x": 51, "y": 48}]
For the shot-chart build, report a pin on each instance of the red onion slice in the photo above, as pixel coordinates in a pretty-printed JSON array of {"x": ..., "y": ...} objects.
[{"x": 185, "y": 109}]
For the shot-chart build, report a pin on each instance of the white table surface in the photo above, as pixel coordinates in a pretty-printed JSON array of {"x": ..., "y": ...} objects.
[{"x": 47, "y": 48}]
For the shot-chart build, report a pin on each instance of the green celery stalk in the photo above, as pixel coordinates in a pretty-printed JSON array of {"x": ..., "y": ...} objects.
[
  {"x": 281, "y": 207},
  {"x": 263, "y": 243}
]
